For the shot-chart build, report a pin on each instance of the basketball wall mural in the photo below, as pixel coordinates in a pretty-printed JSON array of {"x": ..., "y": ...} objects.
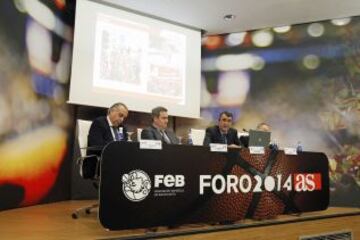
[
  {"x": 303, "y": 80},
  {"x": 35, "y": 124}
]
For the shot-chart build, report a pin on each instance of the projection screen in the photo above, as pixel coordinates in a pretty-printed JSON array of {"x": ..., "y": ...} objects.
[{"x": 144, "y": 62}]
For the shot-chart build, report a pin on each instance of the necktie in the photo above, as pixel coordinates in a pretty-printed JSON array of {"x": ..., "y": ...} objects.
[
  {"x": 224, "y": 138},
  {"x": 117, "y": 134},
  {"x": 165, "y": 137}
]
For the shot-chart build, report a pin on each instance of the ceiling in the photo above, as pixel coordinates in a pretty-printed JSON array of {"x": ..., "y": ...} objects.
[{"x": 208, "y": 15}]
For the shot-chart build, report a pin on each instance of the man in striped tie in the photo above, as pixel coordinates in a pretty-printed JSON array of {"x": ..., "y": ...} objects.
[{"x": 158, "y": 129}]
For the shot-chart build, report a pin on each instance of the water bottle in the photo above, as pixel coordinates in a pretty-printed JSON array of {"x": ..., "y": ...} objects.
[
  {"x": 190, "y": 142},
  {"x": 121, "y": 134},
  {"x": 299, "y": 147}
]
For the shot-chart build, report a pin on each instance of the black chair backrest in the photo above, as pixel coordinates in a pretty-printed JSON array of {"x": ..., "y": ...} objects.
[{"x": 89, "y": 167}]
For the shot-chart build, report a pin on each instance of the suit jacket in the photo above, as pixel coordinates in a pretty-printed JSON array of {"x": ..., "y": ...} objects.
[
  {"x": 244, "y": 141},
  {"x": 213, "y": 135},
  {"x": 153, "y": 133},
  {"x": 100, "y": 134}
]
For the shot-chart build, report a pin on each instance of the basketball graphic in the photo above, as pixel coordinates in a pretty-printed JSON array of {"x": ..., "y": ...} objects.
[
  {"x": 274, "y": 166},
  {"x": 136, "y": 185},
  {"x": 216, "y": 187}
]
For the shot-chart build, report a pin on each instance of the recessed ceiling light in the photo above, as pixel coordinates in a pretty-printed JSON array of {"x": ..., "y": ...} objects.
[
  {"x": 229, "y": 17},
  {"x": 341, "y": 21},
  {"x": 282, "y": 29}
]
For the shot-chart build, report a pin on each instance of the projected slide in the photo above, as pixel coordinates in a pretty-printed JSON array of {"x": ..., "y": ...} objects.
[
  {"x": 133, "y": 58},
  {"x": 122, "y": 56}
]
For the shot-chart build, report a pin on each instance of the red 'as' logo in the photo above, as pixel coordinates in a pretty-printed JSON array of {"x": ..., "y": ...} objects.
[{"x": 307, "y": 182}]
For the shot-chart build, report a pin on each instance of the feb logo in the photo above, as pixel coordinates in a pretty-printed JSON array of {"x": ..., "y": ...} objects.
[{"x": 136, "y": 185}]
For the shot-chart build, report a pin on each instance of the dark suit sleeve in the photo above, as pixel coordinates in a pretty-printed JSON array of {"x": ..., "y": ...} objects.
[
  {"x": 236, "y": 138},
  {"x": 95, "y": 137},
  {"x": 207, "y": 139},
  {"x": 146, "y": 134},
  {"x": 173, "y": 138},
  {"x": 126, "y": 134},
  {"x": 244, "y": 140}
]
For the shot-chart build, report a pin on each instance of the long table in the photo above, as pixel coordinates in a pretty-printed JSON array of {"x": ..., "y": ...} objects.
[{"x": 190, "y": 184}]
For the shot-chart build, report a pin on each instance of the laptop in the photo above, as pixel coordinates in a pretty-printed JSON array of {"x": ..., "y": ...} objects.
[{"x": 259, "y": 138}]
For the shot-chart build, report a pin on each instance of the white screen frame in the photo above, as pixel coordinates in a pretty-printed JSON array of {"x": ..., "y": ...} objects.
[{"x": 82, "y": 91}]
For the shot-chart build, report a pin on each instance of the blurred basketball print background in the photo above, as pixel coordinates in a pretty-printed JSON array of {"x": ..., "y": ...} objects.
[
  {"x": 35, "y": 46},
  {"x": 304, "y": 80}
]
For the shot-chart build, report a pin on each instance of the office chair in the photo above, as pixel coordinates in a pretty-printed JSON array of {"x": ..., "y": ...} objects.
[{"x": 88, "y": 164}]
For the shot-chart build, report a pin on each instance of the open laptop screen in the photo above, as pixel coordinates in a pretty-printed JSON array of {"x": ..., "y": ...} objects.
[{"x": 259, "y": 138}]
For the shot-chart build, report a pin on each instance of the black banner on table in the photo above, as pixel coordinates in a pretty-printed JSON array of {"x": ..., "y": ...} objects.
[{"x": 189, "y": 184}]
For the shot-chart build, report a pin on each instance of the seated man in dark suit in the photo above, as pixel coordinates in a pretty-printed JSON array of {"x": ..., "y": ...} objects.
[
  {"x": 223, "y": 132},
  {"x": 244, "y": 140},
  {"x": 158, "y": 129},
  {"x": 108, "y": 128}
]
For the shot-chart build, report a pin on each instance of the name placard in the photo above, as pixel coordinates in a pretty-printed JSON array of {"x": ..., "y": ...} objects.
[
  {"x": 290, "y": 151},
  {"x": 150, "y": 144},
  {"x": 217, "y": 147},
  {"x": 257, "y": 150}
]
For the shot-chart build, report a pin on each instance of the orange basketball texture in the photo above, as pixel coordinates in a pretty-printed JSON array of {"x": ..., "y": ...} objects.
[{"x": 235, "y": 206}]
